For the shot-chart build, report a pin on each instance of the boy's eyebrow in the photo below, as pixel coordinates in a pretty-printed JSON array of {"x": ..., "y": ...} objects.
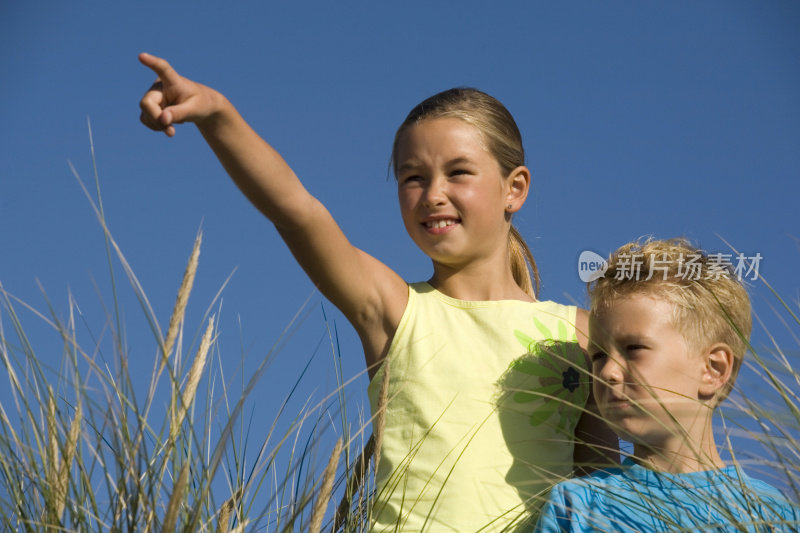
[
  {"x": 635, "y": 338},
  {"x": 622, "y": 342},
  {"x": 594, "y": 344}
]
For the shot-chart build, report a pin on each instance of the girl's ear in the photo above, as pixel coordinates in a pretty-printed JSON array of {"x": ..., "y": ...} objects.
[
  {"x": 717, "y": 368},
  {"x": 519, "y": 181}
]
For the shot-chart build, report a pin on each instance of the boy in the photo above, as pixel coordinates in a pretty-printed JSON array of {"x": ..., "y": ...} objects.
[{"x": 668, "y": 329}]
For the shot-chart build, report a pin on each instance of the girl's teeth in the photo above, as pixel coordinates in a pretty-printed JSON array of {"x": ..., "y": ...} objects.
[{"x": 440, "y": 223}]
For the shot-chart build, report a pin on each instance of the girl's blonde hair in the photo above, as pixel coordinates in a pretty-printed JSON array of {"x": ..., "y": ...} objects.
[{"x": 503, "y": 141}]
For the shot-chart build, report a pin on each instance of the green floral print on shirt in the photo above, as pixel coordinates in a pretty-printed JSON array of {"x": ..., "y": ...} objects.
[{"x": 562, "y": 383}]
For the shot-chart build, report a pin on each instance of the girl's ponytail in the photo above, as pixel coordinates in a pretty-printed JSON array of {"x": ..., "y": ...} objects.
[{"x": 522, "y": 263}]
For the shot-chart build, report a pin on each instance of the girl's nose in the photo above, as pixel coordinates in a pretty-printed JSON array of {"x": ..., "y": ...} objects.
[{"x": 435, "y": 192}]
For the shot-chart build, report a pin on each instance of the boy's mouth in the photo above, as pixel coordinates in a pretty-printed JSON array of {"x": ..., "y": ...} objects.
[{"x": 617, "y": 401}]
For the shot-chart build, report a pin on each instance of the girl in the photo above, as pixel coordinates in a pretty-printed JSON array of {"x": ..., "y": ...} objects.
[{"x": 482, "y": 415}]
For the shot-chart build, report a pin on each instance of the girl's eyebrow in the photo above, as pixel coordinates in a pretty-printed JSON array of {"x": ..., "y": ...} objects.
[
  {"x": 458, "y": 161},
  {"x": 414, "y": 164},
  {"x": 409, "y": 165}
]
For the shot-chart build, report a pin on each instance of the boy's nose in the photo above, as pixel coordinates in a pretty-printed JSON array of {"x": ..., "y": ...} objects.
[{"x": 612, "y": 371}]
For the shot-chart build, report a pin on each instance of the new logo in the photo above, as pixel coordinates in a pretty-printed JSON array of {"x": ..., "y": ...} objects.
[{"x": 591, "y": 266}]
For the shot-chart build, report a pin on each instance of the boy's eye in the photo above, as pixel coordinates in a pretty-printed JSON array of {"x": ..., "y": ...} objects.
[
  {"x": 411, "y": 179},
  {"x": 634, "y": 349},
  {"x": 598, "y": 356}
]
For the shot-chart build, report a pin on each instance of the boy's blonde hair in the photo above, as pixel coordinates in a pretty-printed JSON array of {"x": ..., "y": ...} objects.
[
  {"x": 708, "y": 301},
  {"x": 503, "y": 141}
]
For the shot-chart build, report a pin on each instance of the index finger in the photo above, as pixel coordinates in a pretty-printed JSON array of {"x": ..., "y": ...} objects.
[{"x": 160, "y": 66}]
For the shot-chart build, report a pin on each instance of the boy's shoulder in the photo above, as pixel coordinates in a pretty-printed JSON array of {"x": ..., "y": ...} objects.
[
  {"x": 591, "y": 486},
  {"x": 636, "y": 497},
  {"x": 631, "y": 475}
]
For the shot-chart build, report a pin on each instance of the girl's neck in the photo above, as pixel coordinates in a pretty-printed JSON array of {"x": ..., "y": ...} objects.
[{"x": 477, "y": 284}]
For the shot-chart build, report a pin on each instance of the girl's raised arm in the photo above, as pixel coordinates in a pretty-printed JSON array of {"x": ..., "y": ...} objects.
[{"x": 371, "y": 295}]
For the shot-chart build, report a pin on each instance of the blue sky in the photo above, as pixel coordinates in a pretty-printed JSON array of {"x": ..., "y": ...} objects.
[{"x": 664, "y": 118}]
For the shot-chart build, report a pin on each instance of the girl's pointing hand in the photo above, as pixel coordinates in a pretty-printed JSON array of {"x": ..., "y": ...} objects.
[{"x": 173, "y": 99}]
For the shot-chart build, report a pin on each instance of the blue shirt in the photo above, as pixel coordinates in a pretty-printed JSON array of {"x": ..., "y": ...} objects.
[{"x": 635, "y": 499}]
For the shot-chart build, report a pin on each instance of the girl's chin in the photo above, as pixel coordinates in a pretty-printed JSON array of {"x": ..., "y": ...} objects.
[{"x": 439, "y": 252}]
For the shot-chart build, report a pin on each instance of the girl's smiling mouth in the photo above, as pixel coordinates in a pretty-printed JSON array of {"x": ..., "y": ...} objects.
[{"x": 441, "y": 225}]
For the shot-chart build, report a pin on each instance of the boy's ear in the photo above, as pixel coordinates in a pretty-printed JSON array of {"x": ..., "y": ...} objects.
[
  {"x": 717, "y": 368},
  {"x": 519, "y": 181}
]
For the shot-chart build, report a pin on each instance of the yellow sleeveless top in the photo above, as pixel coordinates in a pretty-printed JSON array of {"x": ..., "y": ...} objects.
[{"x": 483, "y": 402}]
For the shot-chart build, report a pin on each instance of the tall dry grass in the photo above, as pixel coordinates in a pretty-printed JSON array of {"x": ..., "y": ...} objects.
[
  {"x": 80, "y": 452},
  {"x": 92, "y": 447}
]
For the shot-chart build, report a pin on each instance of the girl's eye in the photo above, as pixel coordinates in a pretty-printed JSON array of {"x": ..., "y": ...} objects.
[{"x": 459, "y": 172}]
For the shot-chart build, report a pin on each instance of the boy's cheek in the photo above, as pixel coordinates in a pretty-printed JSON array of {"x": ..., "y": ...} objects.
[{"x": 598, "y": 387}]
